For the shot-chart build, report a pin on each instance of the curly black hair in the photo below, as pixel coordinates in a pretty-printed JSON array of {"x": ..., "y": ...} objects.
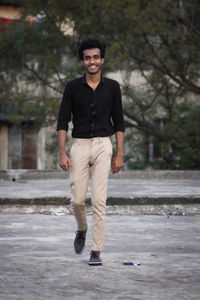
[{"x": 90, "y": 44}]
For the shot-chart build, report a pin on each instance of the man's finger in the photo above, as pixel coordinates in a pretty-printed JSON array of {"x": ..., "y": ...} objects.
[
  {"x": 64, "y": 166},
  {"x": 69, "y": 164}
]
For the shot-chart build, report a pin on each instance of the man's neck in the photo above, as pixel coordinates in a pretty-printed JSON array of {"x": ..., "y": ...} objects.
[{"x": 93, "y": 78}]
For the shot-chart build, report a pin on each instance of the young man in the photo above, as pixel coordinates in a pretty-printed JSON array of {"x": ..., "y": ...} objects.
[{"x": 94, "y": 102}]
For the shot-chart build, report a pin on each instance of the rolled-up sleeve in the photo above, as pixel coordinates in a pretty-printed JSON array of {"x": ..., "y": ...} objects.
[
  {"x": 64, "y": 115},
  {"x": 117, "y": 110}
]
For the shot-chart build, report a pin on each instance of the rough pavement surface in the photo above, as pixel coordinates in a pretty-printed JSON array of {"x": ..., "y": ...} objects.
[
  {"x": 37, "y": 261},
  {"x": 140, "y": 196},
  {"x": 117, "y": 188}
]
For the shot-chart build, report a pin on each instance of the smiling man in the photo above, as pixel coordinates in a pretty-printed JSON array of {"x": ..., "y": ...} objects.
[{"x": 93, "y": 103}]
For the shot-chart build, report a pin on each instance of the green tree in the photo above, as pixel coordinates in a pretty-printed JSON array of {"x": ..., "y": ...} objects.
[
  {"x": 35, "y": 62},
  {"x": 161, "y": 41},
  {"x": 157, "y": 40}
]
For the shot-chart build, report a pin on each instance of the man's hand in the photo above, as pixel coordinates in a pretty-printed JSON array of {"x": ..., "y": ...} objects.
[
  {"x": 65, "y": 162},
  {"x": 117, "y": 163}
]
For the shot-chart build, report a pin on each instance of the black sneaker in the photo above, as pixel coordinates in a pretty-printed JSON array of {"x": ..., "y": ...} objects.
[
  {"x": 79, "y": 241},
  {"x": 95, "y": 259}
]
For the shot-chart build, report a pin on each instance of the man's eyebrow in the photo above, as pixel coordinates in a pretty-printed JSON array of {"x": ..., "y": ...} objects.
[{"x": 95, "y": 55}]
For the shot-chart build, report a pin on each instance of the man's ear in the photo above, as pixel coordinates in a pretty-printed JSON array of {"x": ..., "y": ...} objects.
[
  {"x": 81, "y": 62},
  {"x": 102, "y": 60}
]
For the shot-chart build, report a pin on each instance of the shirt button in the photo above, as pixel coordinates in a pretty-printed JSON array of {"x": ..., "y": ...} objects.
[
  {"x": 92, "y": 124},
  {"x": 92, "y": 105}
]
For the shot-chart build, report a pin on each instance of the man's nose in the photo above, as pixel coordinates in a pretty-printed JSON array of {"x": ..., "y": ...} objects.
[{"x": 92, "y": 60}]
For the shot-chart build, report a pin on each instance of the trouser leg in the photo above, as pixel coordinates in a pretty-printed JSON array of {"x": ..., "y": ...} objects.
[
  {"x": 79, "y": 177},
  {"x": 100, "y": 172}
]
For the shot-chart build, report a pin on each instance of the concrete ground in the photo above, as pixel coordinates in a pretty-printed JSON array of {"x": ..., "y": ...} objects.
[
  {"x": 37, "y": 261},
  {"x": 117, "y": 188},
  {"x": 153, "y": 218},
  {"x": 142, "y": 194}
]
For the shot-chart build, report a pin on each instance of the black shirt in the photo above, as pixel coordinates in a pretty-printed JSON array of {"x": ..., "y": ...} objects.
[{"x": 94, "y": 113}]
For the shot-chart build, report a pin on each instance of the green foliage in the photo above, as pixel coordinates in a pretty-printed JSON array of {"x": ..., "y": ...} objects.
[
  {"x": 135, "y": 156},
  {"x": 32, "y": 71},
  {"x": 157, "y": 40},
  {"x": 188, "y": 132}
]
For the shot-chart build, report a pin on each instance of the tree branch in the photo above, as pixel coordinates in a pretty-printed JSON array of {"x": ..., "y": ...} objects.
[{"x": 36, "y": 74}]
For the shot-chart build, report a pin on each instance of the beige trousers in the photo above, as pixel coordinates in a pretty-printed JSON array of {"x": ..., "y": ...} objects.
[{"x": 94, "y": 154}]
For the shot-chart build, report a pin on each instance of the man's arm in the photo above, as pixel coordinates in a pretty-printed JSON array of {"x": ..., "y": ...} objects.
[
  {"x": 64, "y": 162},
  {"x": 117, "y": 162}
]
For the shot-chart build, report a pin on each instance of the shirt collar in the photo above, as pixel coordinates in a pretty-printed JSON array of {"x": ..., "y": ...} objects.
[{"x": 83, "y": 80}]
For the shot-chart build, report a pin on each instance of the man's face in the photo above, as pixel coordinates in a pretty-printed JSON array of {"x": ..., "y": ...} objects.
[{"x": 92, "y": 60}]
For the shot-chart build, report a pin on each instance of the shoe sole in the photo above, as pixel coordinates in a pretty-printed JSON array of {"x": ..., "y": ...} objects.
[{"x": 95, "y": 264}]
